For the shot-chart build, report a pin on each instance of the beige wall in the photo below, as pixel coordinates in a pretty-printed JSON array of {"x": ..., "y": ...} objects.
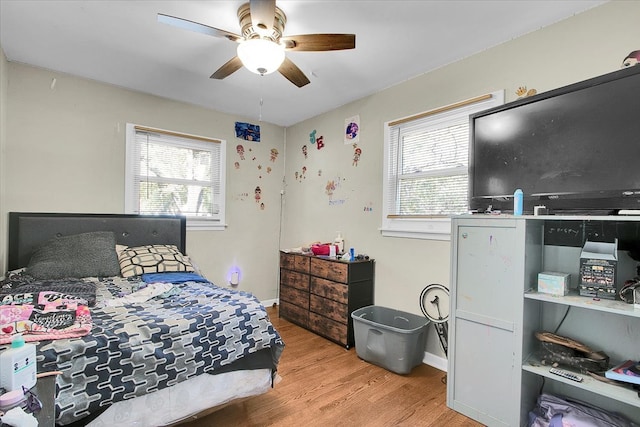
[
  {"x": 65, "y": 141},
  {"x": 584, "y": 46}
]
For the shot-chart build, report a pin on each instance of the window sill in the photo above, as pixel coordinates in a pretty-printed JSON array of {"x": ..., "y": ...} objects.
[
  {"x": 204, "y": 225},
  {"x": 427, "y": 229}
]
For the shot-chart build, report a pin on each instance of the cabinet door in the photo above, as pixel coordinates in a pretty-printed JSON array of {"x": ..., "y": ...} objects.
[{"x": 487, "y": 265}]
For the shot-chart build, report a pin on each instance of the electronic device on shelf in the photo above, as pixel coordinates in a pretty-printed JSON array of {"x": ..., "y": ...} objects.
[
  {"x": 570, "y": 149},
  {"x": 566, "y": 374}
]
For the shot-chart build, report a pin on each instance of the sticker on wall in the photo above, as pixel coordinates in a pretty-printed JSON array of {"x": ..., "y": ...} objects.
[
  {"x": 241, "y": 197},
  {"x": 330, "y": 190},
  {"x": 368, "y": 207},
  {"x": 632, "y": 59},
  {"x": 268, "y": 169},
  {"x": 312, "y": 137},
  {"x": 274, "y": 155},
  {"x": 257, "y": 194},
  {"x": 304, "y": 151},
  {"x": 357, "y": 151},
  {"x": 240, "y": 151},
  {"x": 352, "y": 130},
  {"x": 248, "y": 132},
  {"x": 522, "y": 92},
  {"x": 320, "y": 142},
  {"x": 301, "y": 175},
  {"x": 236, "y": 165}
]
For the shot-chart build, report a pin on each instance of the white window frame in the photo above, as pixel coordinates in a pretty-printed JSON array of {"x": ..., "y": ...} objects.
[
  {"x": 424, "y": 226},
  {"x": 198, "y": 142}
]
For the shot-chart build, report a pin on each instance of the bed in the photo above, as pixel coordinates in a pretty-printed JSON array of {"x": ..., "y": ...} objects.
[{"x": 152, "y": 344}]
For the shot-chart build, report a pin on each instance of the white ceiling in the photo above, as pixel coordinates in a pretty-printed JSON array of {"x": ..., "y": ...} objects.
[{"x": 121, "y": 42}]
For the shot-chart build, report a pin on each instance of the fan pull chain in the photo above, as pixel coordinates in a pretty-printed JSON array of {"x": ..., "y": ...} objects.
[{"x": 260, "y": 117}]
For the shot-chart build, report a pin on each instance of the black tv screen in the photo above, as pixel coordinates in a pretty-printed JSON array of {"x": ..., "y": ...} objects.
[{"x": 573, "y": 149}]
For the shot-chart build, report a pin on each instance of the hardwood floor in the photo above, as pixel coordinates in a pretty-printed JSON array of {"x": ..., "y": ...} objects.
[{"x": 324, "y": 384}]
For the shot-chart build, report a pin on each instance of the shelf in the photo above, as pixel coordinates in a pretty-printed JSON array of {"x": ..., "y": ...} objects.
[
  {"x": 621, "y": 393},
  {"x": 575, "y": 300}
]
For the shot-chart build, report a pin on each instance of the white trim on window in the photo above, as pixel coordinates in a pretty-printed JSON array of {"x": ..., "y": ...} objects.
[
  {"x": 415, "y": 225},
  {"x": 214, "y": 180}
]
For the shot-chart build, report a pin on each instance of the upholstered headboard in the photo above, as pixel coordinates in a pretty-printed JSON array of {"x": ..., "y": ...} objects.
[{"x": 28, "y": 230}]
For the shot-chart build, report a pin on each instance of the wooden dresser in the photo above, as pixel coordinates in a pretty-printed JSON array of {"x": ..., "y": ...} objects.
[{"x": 320, "y": 294}]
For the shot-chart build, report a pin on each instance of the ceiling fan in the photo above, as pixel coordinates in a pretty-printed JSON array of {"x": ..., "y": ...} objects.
[{"x": 262, "y": 46}]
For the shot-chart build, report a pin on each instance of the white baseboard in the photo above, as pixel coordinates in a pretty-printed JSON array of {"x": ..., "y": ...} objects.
[
  {"x": 269, "y": 302},
  {"x": 437, "y": 362}
]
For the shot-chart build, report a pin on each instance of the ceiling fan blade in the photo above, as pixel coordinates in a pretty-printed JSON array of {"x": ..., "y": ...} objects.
[
  {"x": 233, "y": 65},
  {"x": 319, "y": 42},
  {"x": 293, "y": 73},
  {"x": 197, "y": 27},
  {"x": 263, "y": 13}
]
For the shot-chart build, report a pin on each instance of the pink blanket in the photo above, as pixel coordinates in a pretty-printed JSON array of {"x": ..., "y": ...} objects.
[{"x": 48, "y": 316}]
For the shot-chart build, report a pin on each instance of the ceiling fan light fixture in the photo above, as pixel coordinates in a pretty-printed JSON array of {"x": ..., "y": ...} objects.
[{"x": 261, "y": 56}]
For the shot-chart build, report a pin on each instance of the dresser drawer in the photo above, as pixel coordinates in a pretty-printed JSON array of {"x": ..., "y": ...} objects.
[
  {"x": 294, "y": 279},
  {"x": 294, "y": 313},
  {"x": 295, "y": 262},
  {"x": 332, "y": 309},
  {"x": 328, "y": 289},
  {"x": 295, "y": 296},
  {"x": 328, "y": 328},
  {"x": 332, "y": 270}
]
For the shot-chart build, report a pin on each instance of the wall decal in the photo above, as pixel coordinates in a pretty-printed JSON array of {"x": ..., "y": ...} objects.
[
  {"x": 257, "y": 194},
  {"x": 274, "y": 154},
  {"x": 312, "y": 136},
  {"x": 522, "y": 92},
  {"x": 320, "y": 142},
  {"x": 304, "y": 151},
  {"x": 368, "y": 207},
  {"x": 236, "y": 165},
  {"x": 356, "y": 154},
  {"x": 240, "y": 151},
  {"x": 352, "y": 130},
  {"x": 632, "y": 59},
  {"x": 248, "y": 132},
  {"x": 268, "y": 169},
  {"x": 330, "y": 188}
]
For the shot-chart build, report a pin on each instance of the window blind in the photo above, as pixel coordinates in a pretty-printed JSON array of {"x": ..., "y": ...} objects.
[{"x": 177, "y": 174}]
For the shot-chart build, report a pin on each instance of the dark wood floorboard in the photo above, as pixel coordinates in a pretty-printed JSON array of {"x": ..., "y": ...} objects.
[{"x": 323, "y": 384}]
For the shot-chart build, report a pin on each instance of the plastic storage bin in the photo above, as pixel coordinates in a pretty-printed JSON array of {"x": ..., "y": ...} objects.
[{"x": 390, "y": 338}]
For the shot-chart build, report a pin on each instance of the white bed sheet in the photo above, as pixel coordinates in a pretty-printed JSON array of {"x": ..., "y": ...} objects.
[{"x": 185, "y": 399}]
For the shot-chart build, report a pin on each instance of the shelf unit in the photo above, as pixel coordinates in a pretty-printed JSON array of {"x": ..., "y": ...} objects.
[
  {"x": 494, "y": 375},
  {"x": 575, "y": 300}
]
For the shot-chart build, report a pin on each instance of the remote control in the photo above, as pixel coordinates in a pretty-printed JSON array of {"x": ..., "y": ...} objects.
[{"x": 565, "y": 374}]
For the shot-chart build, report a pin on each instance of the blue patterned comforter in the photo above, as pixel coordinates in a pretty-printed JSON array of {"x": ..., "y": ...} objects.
[{"x": 142, "y": 347}]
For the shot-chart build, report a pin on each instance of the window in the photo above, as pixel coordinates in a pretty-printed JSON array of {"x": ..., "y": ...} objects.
[
  {"x": 426, "y": 169},
  {"x": 168, "y": 173}
]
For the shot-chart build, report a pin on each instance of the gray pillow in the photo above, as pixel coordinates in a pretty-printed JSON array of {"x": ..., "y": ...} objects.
[{"x": 79, "y": 255}]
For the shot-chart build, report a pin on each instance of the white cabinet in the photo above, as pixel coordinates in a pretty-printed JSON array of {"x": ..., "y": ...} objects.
[{"x": 493, "y": 375}]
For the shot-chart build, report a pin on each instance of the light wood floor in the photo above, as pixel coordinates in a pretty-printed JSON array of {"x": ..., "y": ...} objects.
[{"x": 324, "y": 384}]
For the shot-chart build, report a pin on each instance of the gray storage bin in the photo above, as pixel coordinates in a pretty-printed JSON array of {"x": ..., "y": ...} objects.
[{"x": 390, "y": 338}]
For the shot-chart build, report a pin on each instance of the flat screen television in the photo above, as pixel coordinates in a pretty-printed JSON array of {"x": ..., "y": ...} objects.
[{"x": 574, "y": 149}]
